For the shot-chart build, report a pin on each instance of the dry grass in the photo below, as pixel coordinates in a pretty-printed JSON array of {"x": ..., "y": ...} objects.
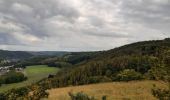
[{"x": 135, "y": 90}]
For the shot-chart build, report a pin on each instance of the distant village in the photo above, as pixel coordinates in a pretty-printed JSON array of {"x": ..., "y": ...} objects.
[{"x": 5, "y": 69}]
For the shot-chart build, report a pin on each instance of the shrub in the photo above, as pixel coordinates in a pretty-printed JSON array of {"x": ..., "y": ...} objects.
[
  {"x": 161, "y": 94},
  {"x": 33, "y": 92},
  {"x": 16, "y": 94},
  {"x": 80, "y": 96},
  {"x": 2, "y": 96},
  {"x": 164, "y": 94},
  {"x": 38, "y": 92},
  {"x": 104, "y": 97},
  {"x": 128, "y": 75}
]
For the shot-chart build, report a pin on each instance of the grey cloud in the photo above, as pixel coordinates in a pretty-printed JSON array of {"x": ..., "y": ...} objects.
[
  {"x": 81, "y": 24},
  {"x": 152, "y": 13},
  {"x": 41, "y": 10},
  {"x": 96, "y": 21},
  {"x": 4, "y": 39}
]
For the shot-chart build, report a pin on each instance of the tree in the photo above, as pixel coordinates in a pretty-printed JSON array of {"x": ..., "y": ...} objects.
[
  {"x": 128, "y": 75},
  {"x": 164, "y": 94}
]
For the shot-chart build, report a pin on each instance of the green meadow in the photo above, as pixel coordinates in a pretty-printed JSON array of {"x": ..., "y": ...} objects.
[{"x": 34, "y": 74}]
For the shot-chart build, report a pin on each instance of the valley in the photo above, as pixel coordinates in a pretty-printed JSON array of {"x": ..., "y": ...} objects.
[{"x": 137, "y": 71}]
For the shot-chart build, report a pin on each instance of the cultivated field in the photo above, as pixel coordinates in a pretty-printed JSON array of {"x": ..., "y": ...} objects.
[
  {"x": 135, "y": 90},
  {"x": 34, "y": 74}
]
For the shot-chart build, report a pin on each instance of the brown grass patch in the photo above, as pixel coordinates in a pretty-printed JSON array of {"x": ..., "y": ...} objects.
[{"x": 134, "y": 90}]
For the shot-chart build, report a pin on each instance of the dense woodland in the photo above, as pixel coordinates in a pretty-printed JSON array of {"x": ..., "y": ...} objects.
[
  {"x": 14, "y": 56},
  {"x": 137, "y": 61},
  {"x": 143, "y": 60},
  {"x": 68, "y": 59}
]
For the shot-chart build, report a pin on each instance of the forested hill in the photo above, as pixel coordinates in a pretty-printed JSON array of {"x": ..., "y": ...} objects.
[
  {"x": 48, "y": 53},
  {"x": 150, "y": 48},
  {"x": 141, "y": 60},
  {"x": 20, "y": 55},
  {"x": 14, "y": 55}
]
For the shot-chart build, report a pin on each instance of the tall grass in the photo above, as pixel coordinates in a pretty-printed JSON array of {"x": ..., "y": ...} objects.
[{"x": 134, "y": 90}]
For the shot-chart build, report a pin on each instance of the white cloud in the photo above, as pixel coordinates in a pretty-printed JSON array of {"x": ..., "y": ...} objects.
[
  {"x": 21, "y": 8},
  {"x": 25, "y": 38}
]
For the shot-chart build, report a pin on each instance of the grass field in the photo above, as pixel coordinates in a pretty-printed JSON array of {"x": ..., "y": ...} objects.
[
  {"x": 135, "y": 90},
  {"x": 34, "y": 73}
]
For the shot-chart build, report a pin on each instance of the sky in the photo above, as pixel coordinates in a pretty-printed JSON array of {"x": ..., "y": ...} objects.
[{"x": 81, "y": 25}]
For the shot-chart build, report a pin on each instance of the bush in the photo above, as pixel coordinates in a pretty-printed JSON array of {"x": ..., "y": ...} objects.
[
  {"x": 33, "y": 92},
  {"x": 104, "y": 97},
  {"x": 128, "y": 75},
  {"x": 2, "y": 96},
  {"x": 38, "y": 92},
  {"x": 156, "y": 73},
  {"x": 161, "y": 94},
  {"x": 12, "y": 77},
  {"x": 15, "y": 94},
  {"x": 80, "y": 96}
]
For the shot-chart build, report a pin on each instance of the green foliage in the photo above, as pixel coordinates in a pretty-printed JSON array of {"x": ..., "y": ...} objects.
[
  {"x": 157, "y": 72},
  {"x": 13, "y": 94},
  {"x": 32, "y": 92},
  {"x": 77, "y": 57},
  {"x": 59, "y": 64},
  {"x": 2, "y": 96},
  {"x": 128, "y": 75},
  {"x": 37, "y": 93},
  {"x": 108, "y": 73},
  {"x": 161, "y": 94},
  {"x": 142, "y": 63},
  {"x": 12, "y": 77},
  {"x": 99, "y": 79},
  {"x": 104, "y": 97},
  {"x": 164, "y": 94}
]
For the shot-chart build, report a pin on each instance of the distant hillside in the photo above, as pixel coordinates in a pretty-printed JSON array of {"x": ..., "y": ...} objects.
[
  {"x": 14, "y": 55},
  {"x": 63, "y": 59},
  {"x": 48, "y": 53},
  {"x": 18, "y": 55}
]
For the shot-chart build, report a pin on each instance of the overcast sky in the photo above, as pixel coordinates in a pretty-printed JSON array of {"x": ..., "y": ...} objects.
[{"x": 81, "y": 25}]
